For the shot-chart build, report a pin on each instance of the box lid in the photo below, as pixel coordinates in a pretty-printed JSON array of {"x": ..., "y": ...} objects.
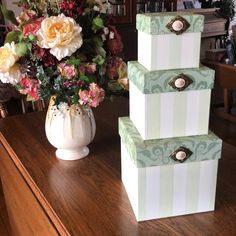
[
  {"x": 160, "y": 81},
  {"x": 169, "y": 22},
  {"x": 160, "y": 151}
]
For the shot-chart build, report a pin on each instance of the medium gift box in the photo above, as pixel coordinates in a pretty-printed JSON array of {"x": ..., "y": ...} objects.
[
  {"x": 168, "y": 40},
  {"x": 168, "y": 177},
  {"x": 170, "y": 103}
]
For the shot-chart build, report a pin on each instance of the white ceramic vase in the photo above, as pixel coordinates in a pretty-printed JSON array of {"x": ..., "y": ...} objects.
[{"x": 70, "y": 130}]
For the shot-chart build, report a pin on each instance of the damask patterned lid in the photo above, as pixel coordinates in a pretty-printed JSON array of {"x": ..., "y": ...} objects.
[
  {"x": 169, "y": 23},
  {"x": 169, "y": 150},
  {"x": 161, "y": 81}
]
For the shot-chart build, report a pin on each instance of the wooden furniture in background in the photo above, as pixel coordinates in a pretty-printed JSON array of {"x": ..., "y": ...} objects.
[
  {"x": 124, "y": 16},
  {"x": 214, "y": 33},
  {"x": 225, "y": 76},
  {"x": 46, "y": 196},
  {"x": 6, "y": 93},
  {"x": 124, "y": 11}
]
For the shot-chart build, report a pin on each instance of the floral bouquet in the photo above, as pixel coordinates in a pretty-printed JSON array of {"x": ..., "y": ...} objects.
[{"x": 63, "y": 48}]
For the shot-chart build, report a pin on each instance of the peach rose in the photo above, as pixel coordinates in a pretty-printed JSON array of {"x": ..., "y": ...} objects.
[
  {"x": 8, "y": 57},
  {"x": 9, "y": 69},
  {"x": 61, "y": 34}
]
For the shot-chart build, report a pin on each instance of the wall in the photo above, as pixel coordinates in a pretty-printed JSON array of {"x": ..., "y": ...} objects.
[{"x": 11, "y": 6}]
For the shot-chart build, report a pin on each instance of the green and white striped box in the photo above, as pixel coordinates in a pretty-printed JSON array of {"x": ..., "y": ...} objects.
[
  {"x": 159, "y": 186},
  {"x": 159, "y": 110},
  {"x": 169, "y": 40}
]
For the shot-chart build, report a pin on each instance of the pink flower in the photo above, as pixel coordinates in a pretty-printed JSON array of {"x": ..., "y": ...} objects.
[
  {"x": 91, "y": 68},
  {"x": 93, "y": 97},
  {"x": 30, "y": 87},
  {"x": 32, "y": 28},
  {"x": 67, "y": 71},
  {"x": 26, "y": 15}
]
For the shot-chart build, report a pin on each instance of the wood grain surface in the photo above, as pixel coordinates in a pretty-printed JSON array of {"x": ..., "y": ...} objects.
[{"x": 87, "y": 197}]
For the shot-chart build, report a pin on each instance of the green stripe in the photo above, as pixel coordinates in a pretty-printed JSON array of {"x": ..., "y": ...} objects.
[
  {"x": 166, "y": 190},
  {"x": 193, "y": 175},
  {"x": 203, "y": 114},
  {"x": 180, "y": 111},
  {"x": 141, "y": 193},
  {"x": 153, "y": 106},
  {"x": 196, "y": 49},
  {"x": 175, "y": 51}
]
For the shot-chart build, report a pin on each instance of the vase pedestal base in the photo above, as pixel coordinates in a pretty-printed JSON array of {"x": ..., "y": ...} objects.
[{"x": 72, "y": 154}]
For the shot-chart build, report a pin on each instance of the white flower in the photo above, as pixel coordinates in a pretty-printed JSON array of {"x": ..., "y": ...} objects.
[
  {"x": 106, "y": 30},
  {"x": 103, "y": 37},
  {"x": 111, "y": 35},
  {"x": 103, "y": 6},
  {"x": 9, "y": 69},
  {"x": 13, "y": 76},
  {"x": 8, "y": 57},
  {"x": 61, "y": 34},
  {"x": 63, "y": 107},
  {"x": 96, "y": 8}
]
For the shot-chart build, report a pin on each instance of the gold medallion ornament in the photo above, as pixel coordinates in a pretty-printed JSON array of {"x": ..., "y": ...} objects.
[
  {"x": 180, "y": 82},
  {"x": 178, "y": 25},
  {"x": 181, "y": 154}
]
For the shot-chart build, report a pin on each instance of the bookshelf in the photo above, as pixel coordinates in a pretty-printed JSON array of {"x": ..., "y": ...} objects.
[{"x": 124, "y": 11}]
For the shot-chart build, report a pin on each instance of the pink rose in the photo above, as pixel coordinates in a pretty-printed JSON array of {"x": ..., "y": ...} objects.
[
  {"x": 67, "y": 71},
  {"x": 93, "y": 97},
  {"x": 91, "y": 68},
  {"x": 32, "y": 28},
  {"x": 30, "y": 87}
]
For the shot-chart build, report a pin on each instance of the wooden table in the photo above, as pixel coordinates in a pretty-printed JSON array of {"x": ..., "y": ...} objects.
[
  {"x": 47, "y": 196},
  {"x": 225, "y": 76}
]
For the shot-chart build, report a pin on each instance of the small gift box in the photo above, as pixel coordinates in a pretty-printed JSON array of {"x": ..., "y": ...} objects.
[
  {"x": 170, "y": 103},
  {"x": 168, "y": 177},
  {"x": 169, "y": 40}
]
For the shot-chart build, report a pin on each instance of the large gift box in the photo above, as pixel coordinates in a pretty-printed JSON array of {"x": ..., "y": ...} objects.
[
  {"x": 168, "y": 40},
  {"x": 168, "y": 177},
  {"x": 170, "y": 103}
]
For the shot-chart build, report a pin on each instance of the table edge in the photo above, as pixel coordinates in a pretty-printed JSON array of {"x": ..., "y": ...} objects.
[{"x": 34, "y": 189}]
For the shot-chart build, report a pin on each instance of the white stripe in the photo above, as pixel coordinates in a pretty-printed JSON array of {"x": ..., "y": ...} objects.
[
  {"x": 160, "y": 52},
  {"x": 144, "y": 49},
  {"x": 207, "y": 185},
  {"x": 129, "y": 176},
  {"x": 192, "y": 112},
  {"x": 166, "y": 114},
  {"x": 152, "y": 121},
  {"x": 189, "y": 44},
  {"x": 179, "y": 189},
  {"x": 137, "y": 109},
  {"x": 153, "y": 192}
]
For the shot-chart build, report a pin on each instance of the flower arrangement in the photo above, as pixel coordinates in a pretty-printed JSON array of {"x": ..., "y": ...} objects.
[{"x": 63, "y": 48}]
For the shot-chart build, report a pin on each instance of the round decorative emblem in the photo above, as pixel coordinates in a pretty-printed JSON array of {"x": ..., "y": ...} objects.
[
  {"x": 177, "y": 25},
  {"x": 180, "y": 83},
  {"x": 181, "y": 155}
]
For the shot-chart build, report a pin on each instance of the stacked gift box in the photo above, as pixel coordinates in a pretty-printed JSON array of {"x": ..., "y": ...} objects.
[{"x": 169, "y": 157}]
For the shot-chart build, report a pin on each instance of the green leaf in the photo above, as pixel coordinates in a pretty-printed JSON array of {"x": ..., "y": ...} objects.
[
  {"x": 13, "y": 36},
  {"x": 98, "y": 41},
  {"x": 8, "y": 15},
  {"x": 73, "y": 61},
  {"x": 29, "y": 98},
  {"x": 97, "y": 23},
  {"x": 84, "y": 78},
  {"x": 114, "y": 87},
  {"x": 99, "y": 60},
  {"x": 21, "y": 49},
  {"x": 75, "y": 99},
  {"x": 101, "y": 51}
]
